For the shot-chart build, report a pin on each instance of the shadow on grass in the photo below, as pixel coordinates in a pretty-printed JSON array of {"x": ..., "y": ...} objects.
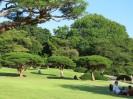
[
  {"x": 9, "y": 74},
  {"x": 67, "y": 78},
  {"x": 95, "y": 89},
  {"x": 42, "y": 74}
]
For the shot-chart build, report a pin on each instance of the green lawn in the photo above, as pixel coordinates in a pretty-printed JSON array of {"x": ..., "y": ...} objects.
[{"x": 48, "y": 85}]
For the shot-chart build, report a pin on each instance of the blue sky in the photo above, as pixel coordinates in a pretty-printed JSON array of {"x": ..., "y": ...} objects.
[{"x": 120, "y": 11}]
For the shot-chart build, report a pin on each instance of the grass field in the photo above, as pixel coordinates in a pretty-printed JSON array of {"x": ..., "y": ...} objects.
[{"x": 48, "y": 85}]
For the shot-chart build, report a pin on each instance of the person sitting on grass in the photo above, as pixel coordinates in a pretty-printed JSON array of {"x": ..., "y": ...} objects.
[
  {"x": 75, "y": 77},
  {"x": 130, "y": 91},
  {"x": 110, "y": 87},
  {"x": 117, "y": 90}
]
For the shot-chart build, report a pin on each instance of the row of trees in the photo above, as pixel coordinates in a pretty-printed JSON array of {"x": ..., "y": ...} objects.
[{"x": 21, "y": 61}]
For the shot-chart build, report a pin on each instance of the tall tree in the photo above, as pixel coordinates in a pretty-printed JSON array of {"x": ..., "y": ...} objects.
[
  {"x": 39, "y": 11},
  {"x": 97, "y": 26},
  {"x": 62, "y": 32},
  {"x": 93, "y": 29},
  {"x": 40, "y": 34},
  {"x": 63, "y": 51},
  {"x": 95, "y": 62},
  {"x": 18, "y": 41}
]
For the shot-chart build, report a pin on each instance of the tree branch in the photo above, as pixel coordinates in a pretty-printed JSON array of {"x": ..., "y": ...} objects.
[{"x": 5, "y": 13}]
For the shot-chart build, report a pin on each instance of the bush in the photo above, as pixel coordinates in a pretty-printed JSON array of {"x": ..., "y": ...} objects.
[
  {"x": 80, "y": 69},
  {"x": 121, "y": 77},
  {"x": 86, "y": 76},
  {"x": 98, "y": 76}
]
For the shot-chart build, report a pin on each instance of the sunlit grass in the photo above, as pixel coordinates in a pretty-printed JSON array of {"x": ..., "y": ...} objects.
[{"x": 48, "y": 85}]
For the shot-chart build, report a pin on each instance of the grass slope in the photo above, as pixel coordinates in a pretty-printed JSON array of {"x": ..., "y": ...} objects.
[{"x": 48, "y": 85}]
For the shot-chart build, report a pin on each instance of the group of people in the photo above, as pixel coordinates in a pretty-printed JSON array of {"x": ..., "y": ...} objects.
[{"x": 121, "y": 91}]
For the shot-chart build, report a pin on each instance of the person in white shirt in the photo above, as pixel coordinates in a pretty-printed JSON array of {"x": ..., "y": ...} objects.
[{"x": 116, "y": 89}]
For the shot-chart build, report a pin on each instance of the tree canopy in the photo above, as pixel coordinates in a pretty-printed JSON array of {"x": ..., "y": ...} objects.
[
  {"x": 39, "y": 11},
  {"x": 18, "y": 41},
  {"x": 94, "y": 34},
  {"x": 61, "y": 62},
  {"x": 21, "y": 61},
  {"x": 95, "y": 62}
]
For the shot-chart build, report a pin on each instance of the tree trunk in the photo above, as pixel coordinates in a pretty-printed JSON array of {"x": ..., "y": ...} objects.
[
  {"x": 47, "y": 66},
  {"x": 61, "y": 71},
  {"x": 102, "y": 70},
  {"x": 21, "y": 72},
  {"x": 92, "y": 74},
  {"x": 131, "y": 79},
  {"x": 11, "y": 25}
]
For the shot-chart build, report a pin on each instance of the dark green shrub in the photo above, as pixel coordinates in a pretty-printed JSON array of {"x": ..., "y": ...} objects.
[
  {"x": 98, "y": 76},
  {"x": 86, "y": 76},
  {"x": 80, "y": 69},
  {"x": 122, "y": 77}
]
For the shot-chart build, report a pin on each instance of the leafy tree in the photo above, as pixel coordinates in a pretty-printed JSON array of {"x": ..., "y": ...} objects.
[
  {"x": 59, "y": 42},
  {"x": 55, "y": 44},
  {"x": 40, "y": 11},
  {"x": 50, "y": 48},
  {"x": 95, "y": 26},
  {"x": 21, "y": 61},
  {"x": 63, "y": 51},
  {"x": 72, "y": 38},
  {"x": 112, "y": 50},
  {"x": 42, "y": 35},
  {"x": 18, "y": 41},
  {"x": 94, "y": 34},
  {"x": 62, "y": 62},
  {"x": 129, "y": 70},
  {"x": 92, "y": 30},
  {"x": 62, "y": 32},
  {"x": 95, "y": 62}
]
